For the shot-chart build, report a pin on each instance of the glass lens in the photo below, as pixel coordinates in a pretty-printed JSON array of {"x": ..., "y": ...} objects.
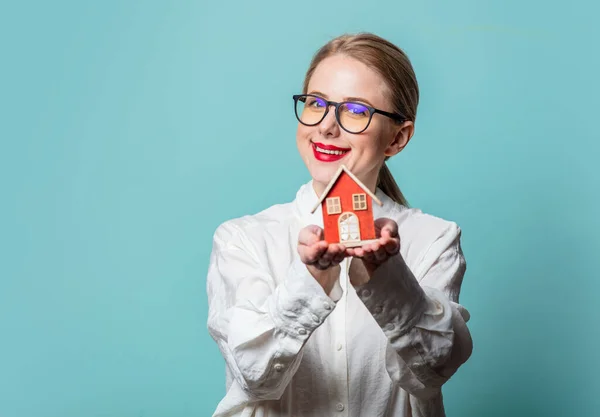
[
  {"x": 310, "y": 110},
  {"x": 354, "y": 116}
]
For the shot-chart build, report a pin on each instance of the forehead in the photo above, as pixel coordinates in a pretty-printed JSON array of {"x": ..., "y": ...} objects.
[{"x": 340, "y": 76}]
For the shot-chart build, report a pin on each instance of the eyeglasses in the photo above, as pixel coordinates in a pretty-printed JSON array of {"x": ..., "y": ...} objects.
[{"x": 352, "y": 116}]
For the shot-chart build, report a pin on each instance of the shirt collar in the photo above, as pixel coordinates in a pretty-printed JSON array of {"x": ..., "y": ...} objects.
[{"x": 306, "y": 198}]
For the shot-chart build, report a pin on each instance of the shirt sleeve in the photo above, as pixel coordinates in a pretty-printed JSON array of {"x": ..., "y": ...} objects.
[
  {"x": 421, "y": 316},
  {"x": 260, "y": 323}
]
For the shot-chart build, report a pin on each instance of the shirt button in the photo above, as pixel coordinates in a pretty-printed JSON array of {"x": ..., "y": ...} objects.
[
  {"x": 278, "y": 367},
  {"x": 390, "y": 326},
  {"x": 340, "y": 407},
  {"x": 327, "y": 306},
  {"x": 302, "y": 331},
  {"x": 378, "y": 310},
  {"x": 315, "y": 318},
  {"x": 366, "y": 293},
  {"x": 339, "y": 346}
]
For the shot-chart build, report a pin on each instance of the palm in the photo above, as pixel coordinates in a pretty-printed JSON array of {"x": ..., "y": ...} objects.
[{"x": 387, "y": 244}]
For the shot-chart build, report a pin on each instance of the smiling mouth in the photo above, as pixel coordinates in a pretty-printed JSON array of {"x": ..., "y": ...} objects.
[
  {"x": 330, "y": 150},
  {"x": 328, "y": 153}
]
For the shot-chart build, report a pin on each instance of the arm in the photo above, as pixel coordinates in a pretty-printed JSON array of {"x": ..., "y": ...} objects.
[
  {"x": 420, "y": 315},
  {"x": 260, "y": 326}
]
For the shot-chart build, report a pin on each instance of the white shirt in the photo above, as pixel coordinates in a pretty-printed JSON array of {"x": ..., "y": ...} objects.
[{"x": 383, "y": 349}]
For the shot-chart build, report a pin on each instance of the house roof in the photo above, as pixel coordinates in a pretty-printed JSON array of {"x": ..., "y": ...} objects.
[{"x": 336, "y": 176}]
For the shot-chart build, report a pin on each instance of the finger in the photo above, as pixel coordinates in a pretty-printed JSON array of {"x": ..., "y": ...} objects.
[
  {"x": 326, "y": 258},
  {"x": 374, "y": 246},
  {"x": 392, "y": 246},
  {"x": 337, "y": 249},
  {"x": 314, "y": 252},
  {"x": 321, "y": 247},
  {"x": 339, "y": 253},
  {"x": 328, "y": 254},
  {"x": 359, "y": 252},
  {"x": 380, "y": 254},
  {"x": 369, "y": 257},
  {"x": 368, "y": 253},
  {"x": 323, "y": 263},
  {"x": 339, "y": 258}
]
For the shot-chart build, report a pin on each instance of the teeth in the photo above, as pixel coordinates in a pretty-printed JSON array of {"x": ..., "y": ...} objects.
[{"x": 330, "y": 152}]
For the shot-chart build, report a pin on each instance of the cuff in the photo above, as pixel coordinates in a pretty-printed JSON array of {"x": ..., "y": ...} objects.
[
  {"x": 394, "y": 297},
  {"x": 301, "y": 304}
]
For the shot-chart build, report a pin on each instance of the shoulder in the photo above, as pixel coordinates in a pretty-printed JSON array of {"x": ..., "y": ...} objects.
[
  {"x": 251, "y": 229},
  {"x": 415, "y": 227},
  {"x": 417, "y": 224},
  {"x": 424, "y": 237}
]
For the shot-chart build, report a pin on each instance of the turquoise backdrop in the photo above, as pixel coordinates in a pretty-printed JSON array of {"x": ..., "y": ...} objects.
[{"x": 130, "y": 129}]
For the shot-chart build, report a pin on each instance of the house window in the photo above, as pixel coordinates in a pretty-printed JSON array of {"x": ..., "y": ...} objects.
[
  {"x": 349, "y": 228},
  {"x": 359, "y": 201},
  {"x": 333, "y": 205}
]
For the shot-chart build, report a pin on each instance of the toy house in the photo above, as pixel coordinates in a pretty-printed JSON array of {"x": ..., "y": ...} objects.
[{"x": 347, "y": 206}]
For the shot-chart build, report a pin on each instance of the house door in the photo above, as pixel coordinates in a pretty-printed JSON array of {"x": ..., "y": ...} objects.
[{"x": 349, "y": 228}]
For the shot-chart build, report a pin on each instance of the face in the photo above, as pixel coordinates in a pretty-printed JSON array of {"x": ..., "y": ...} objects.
[{"x": 341, "y": 78}]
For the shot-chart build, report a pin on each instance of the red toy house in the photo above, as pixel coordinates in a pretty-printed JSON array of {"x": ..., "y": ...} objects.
[{"x": 347, "y": 210}]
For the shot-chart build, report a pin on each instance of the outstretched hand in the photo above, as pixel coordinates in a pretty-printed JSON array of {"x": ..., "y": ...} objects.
[
  {"x": 386, "y": 246},
  {"x": 315, "y": 251},
  {"x": 322, "y": 259}
]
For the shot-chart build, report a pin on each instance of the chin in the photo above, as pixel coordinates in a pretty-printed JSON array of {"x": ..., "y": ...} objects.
[{"x": 323, "y": 172}]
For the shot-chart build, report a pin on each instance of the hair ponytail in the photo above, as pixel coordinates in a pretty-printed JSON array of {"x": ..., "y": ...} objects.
[{"x": 388, "y": 185}]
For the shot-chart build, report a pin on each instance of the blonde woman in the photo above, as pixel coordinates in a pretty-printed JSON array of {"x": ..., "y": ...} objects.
[{"x": 314, "y": 329}]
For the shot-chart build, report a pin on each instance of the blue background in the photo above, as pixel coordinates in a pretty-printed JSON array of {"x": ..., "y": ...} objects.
[{"x": 129, "y": 130}]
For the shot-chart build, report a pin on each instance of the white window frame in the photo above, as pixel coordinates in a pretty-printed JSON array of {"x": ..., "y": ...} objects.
[
  {"x": 359, "y": 203},
  {"x": 334, "y": 205}
]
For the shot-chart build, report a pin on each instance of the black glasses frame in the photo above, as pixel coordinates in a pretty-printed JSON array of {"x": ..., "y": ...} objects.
[{"x": 372, "y": 110}]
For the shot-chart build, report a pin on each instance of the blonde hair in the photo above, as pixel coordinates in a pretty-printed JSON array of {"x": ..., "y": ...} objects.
[{"x": 394, "y": 67}]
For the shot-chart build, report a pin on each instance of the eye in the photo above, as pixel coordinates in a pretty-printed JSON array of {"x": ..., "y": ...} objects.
[
  {"x": 357, "y": 109},
  {"x": 315, "y": 102}
]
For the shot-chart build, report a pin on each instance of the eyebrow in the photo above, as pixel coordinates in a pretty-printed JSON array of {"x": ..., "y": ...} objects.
[{"x": 319, "y": 93}]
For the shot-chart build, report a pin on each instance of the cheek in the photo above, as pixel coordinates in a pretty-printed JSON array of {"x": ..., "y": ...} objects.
[
  {"x": 373, "y": 144},
  {"x": 302, "y": 132},
  {"x": 383, "y": 139}
]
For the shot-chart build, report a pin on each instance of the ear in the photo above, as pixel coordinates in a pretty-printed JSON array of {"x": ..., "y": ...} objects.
[{"x": 402, "y": 135}]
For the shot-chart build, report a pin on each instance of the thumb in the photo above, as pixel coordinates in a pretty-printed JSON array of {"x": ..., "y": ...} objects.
[
  {"x": 387, "y": 227},
  {"x": 310, "y": 234}
]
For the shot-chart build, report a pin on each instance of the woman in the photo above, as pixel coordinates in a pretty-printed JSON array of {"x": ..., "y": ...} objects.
[{"x": 311, "y": 328}]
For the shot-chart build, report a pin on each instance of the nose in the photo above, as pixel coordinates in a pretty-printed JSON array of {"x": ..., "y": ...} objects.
[{"x": 329, "y": 126}]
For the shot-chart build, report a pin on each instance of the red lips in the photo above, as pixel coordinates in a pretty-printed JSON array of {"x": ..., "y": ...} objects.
[{"x": 336, "y": 155}]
